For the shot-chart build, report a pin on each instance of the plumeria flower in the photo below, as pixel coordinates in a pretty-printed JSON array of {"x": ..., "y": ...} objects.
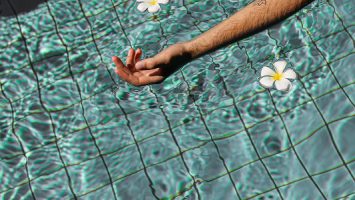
[
  {"x": 152, "y": 5},
  {"x": 279, "y": 77}
]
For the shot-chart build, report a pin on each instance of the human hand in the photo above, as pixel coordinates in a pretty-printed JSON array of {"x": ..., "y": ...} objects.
[{"x": 152, "y": 70}]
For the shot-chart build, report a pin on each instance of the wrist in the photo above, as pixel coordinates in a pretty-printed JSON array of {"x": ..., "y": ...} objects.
[{"x": 191, "y": 49}]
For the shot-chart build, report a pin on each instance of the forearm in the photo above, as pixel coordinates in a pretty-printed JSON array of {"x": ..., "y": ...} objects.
[{"x": 252, "y": 18}]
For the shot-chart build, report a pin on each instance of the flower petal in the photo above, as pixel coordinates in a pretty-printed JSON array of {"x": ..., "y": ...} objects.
[
  {"x": 267, "y": 81},
  {"x": 163, "y": 1},
  {"x": 266, "y": 71},
  {"x": 280, "y": 66},
  {"x": 154, "y": 8},
  {"x": 141, "y": 0},
  {"x": 142, "y": 7},
  {"x": 290, "y": 74},
  {"x": 283, "y": 84}
]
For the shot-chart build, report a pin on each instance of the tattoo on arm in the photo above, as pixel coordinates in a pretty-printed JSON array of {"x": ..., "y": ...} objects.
[{"x": 260, "y": 2}]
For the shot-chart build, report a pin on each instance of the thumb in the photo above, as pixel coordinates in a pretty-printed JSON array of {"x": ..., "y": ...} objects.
[{"x": 145, "y": 64}]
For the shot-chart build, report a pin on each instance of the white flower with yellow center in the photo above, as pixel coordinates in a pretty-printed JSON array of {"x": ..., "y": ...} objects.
[
  {"x": 279, "y": 77},
  {"x": 152, "y": 5}
]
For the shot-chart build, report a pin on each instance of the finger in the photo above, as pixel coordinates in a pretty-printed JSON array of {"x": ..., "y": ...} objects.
[
  {"x": 146, "y": 80},
  {"x": 121, "y": 70},
  {"x": 130, "y": 57},
  {"x": 152, "y": 72},
  {"x": 118, "y": 62},
  {"x": 138, "y": 55},
  {"x": 148, "y": 63}
]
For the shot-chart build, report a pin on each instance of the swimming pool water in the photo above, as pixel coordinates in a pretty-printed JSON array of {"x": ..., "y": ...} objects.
[{"x": 71, "y": 129}]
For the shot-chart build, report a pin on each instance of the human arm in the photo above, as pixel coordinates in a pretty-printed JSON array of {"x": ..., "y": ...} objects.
[{"x": 252, "y": 18}]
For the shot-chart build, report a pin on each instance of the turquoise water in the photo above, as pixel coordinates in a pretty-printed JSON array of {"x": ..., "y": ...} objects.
[{"x": 70, "y": 128}]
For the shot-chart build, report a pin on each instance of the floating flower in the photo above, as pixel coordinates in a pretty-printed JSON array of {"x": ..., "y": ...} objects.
[
  {"x": 279, "y": 77},
  {"x": 152, "y": 5}
]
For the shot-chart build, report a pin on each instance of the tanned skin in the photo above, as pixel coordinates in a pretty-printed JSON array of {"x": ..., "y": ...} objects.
[{"x": 253, "y": 18}]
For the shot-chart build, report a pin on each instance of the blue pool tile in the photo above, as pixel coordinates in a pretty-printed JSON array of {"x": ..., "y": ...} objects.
[
  {"x": 91, "y": 8},
  {"x": 273, "y": 194},
  {"x": 12, "y": 54},
  {"x": 10, "y": 32},
  {"x": 285, "y": 101},
  {"x": 319, "y": 82},
  {"x": 341, "y": 138},
  {"x": 205, "y": 25},
  {"x": 221, "y": 188},
  {"x": 285, "y": 167},
  {"x": 339, "y": 68},
  {"x": 65, "y": 12},
  {"x": 236, "y": 150},
  {"x": 226, "y": 116},
  {"x": 236, "y": 78},
  {"x": 84, "y": 180},
  {"x": 309, "y": 151},
  {"x": 256, "y": 108},
  {"x": 338, "y": 180},
  {"x": 140, "y": 190},
  {"x": 204, "y": 162},
  {"x": 310, "y": 123},
  {"x": 208, "y": 8},
  {"x": 19, "y": 83},
  {"x": 10, "y": 178},
  {"x": 320, "y": 30},
  {"x": 304, "y": 65},
  {"x": 191, "y": 133},
  {"x": 287, "y": 35},
  {"x": 30, "y": 128},
  {"x": 258, "y": 47},
  {"x": 71, "y": 148},
  {"x": 332, "y": 110},
  {"x": 209, "y": 90},
  {"x": 52, "y": 68},
  {"x": 68, "y": 90},
  {"x": 22, "y": 191},
  {"x": 112, "y": 135},
  {"x": 301, "y": 189},
  {"x": 251, "y": 180},
  {"x": 54, "y": 185},
  {"x": 75, "y": 33},
  {"x": 344, "y": 10},
  {"x": 44, "y": 47},
  {"x": 6, "y": 118},
  {"x": 101, "y": 80},
  {"x": 269, "y": 137},
  {"x": 171, "y": 24},
  {"x": 177, "y": 173},
  {"x": 27, "y": 105},
  {"x": 84, "y": 58},
  {"x": 352, "y": 167},
  {"x": 350, "y": 91},
  {"x": 152, "y": 153},
  {"x": 103, "y": 101},
  {"x": 66, "y": 123},
  {"x": 105, "y": 193},
  {"x": 38, "y": 20},
  {"x": 124, "y": 163},
  {"x": 43, "y": 161},
  {"x": 342, "y": 45},
  {"x": 142, "y": 129}
]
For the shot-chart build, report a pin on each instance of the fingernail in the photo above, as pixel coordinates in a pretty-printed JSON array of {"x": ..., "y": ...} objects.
[
  {"x": 139, "y": 65},
  {"x": 113, "y": 58}
]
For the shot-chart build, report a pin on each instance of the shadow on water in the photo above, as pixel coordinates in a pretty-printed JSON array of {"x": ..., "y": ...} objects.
[{"x": 20, "y": 6}]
